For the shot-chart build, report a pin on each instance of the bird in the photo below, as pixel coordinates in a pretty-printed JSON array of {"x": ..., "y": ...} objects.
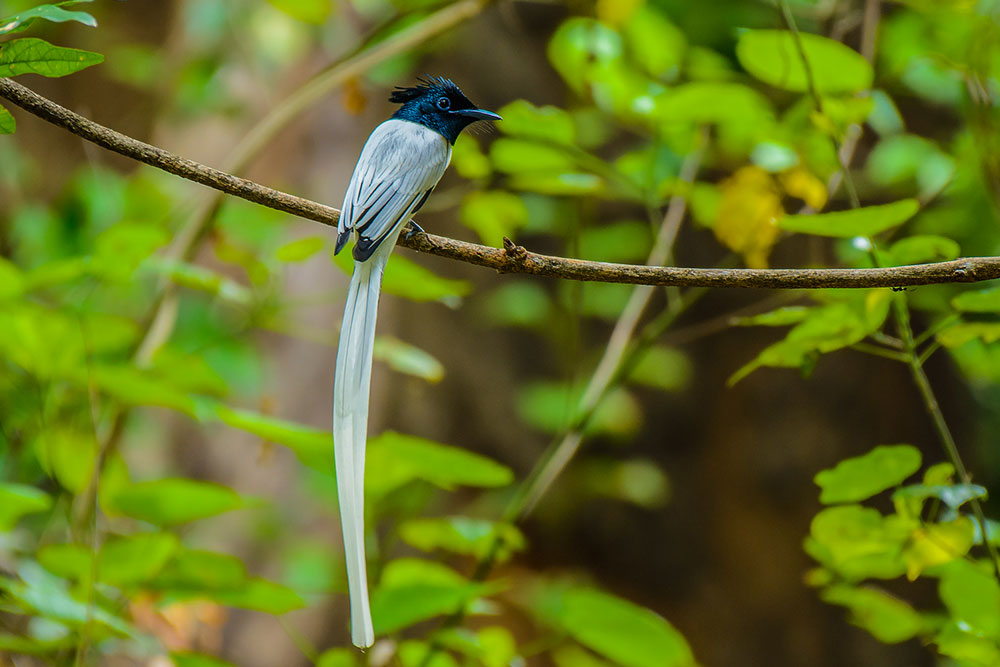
[{"x": 400, "y": 164}]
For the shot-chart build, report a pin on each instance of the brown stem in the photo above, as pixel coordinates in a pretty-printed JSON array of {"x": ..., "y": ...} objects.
[{"x": 511, "y": 258}]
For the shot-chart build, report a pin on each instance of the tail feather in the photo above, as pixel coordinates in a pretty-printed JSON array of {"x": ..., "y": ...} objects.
[{"x": 350, "y": 428}]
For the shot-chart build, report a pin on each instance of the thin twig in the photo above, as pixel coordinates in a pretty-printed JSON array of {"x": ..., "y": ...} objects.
[
  {"x": 879, "y": 351},
  {"x": 511, "y": 258},
  {"x": 789, "y": 18},
  {"x": 553, "y": 465},
  {"x": 940, "y": 425},
  {"x": 928, "y": 352}
]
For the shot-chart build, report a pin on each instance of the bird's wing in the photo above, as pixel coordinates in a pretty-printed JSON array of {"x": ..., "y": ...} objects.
[{"x": 399, "y": 166}]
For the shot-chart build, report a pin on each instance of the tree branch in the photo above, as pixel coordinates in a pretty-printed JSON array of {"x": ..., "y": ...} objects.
[{"x": 511, "y": 258}]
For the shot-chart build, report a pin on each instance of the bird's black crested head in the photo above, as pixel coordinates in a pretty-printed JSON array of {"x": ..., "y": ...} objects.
[
  {"x": 431, "y": 87},
  {"x": 437, "y": 103}
]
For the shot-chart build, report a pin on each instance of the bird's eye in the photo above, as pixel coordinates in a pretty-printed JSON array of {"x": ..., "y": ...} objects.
[{"x": 443, "y": 103}]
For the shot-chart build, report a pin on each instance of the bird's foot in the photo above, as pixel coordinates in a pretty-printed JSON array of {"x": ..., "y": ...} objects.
[{"x": 412, "y": 231}]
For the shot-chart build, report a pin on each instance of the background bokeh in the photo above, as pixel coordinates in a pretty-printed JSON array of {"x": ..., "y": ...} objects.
[{"x": 690, "y": 496}]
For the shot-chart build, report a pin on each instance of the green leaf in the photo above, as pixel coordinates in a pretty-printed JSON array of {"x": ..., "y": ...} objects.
[
  {"x": 623, "y": 632},
  {"x": 308, "y": 11},
  {"x": 337, "y": 657},
  {"x": 964, "y": 332},
  {"x": 923, "y": 248},
  {"x": 823, "y": 330},
  {"x": 407, "y": 571},
  {"x": 468, "y": 159},
  {"x": 261, "y": 595},
  {"x": 7, "y": 124},
  {"x": 773, "y": 57},
  {"x": 857, "y": 542},
  {"x": 204, "y": 280},
  {"x": 53, "y": 13},
  {"x": 578, "y": 45},
  {"x": 780, "y": 317},
  {"x": 188, "y": 659},
  {"x": 122, "y": 247},
  {"x": 462, "y": 535},
  {"x": 409, "y": 359},
  {"x": 663, "y": 368},
  {"x": 493, "y": 215},
  {"x": 199, "y": 572},
  {"x": 952, "y": 495},
  {"x": 69, "y": 561},
  {"x": 172, "y": 501},
  {"x": 548, "y": 123},
  {"x": 396, "y": 608},
  {"x": 188, "y": 372},
  {"x": 864, "y": 476},
  {"x": 713, "y": 102},
  {"x": 519, "y": 303},
  {"x": 134, "y": 386},
  {"x": 516, "y": 156},
  {"x": 650, "y": 172},
  {"x": 36, "y": 56},
  {"x": 574, "y": 655},
  {"x": 888, "y": 619},
  {"x": 135, "y": 558},
  {"x": 313, "y": 446},
  {"x": 624, "y": 241},
  {"x": 415, "y": 653},
  {"x": 310, "y": 566},
  {"x": 12, "y": 281},
  {"x": 562, "y": 183},
  {"x": 498, "y": 648},
  {"x": 939, "y": 473},
  {"x": 971, "y": 649},
  {"x": 34, "y": 646},
  {"x": 49, "y": 596},
  {"x": 654, "y": 43},
  {"x": 393, "y": 459},
  {"x": 885, "y": 117},
  {"x": 982, "y": 301},
  {"x": 300, "y": 249},
  {"x": 866, "y": 221},
  {"x": 551, "y": 407},
  {"x": 414, "y": 590},
  {"x": 774, "y": 157},
  {"x": 404, "y": 277},
  {"x": 902, "y": 159},
  {"x": 17, "y": 500},
  {"x": 972, "y": 596},
  {"x": 637, "y": 481}
]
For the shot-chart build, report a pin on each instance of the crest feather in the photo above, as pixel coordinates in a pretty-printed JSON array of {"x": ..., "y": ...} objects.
[{"x": 401, "y": 94}]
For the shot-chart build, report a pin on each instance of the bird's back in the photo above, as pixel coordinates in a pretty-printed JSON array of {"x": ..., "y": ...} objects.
[{"x": 400, "y": 164}]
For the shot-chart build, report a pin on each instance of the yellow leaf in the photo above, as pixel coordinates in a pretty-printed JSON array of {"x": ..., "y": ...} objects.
[
  {"x": 799, "y": 182},
  {"x": 748, "y": 214},
  {"x": 936, "y": 544},
  {"x": 353, "y": 97}
]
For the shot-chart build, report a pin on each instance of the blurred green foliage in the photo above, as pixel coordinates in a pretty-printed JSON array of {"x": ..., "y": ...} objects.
[{"x": 98, "y": 557}]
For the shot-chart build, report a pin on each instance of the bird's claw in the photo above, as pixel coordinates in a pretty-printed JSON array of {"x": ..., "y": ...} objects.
[{"x": 412, "y": 231}]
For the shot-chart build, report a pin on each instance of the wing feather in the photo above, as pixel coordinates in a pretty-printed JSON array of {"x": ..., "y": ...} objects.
[{"x": 401, "y": 162}]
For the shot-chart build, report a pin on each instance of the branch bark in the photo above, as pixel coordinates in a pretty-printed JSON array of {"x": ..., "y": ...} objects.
[{"x": 511, "y": 258}]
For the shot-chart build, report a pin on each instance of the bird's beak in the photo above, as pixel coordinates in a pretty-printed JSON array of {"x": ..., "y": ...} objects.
[{"x": 478, "y": 114}]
